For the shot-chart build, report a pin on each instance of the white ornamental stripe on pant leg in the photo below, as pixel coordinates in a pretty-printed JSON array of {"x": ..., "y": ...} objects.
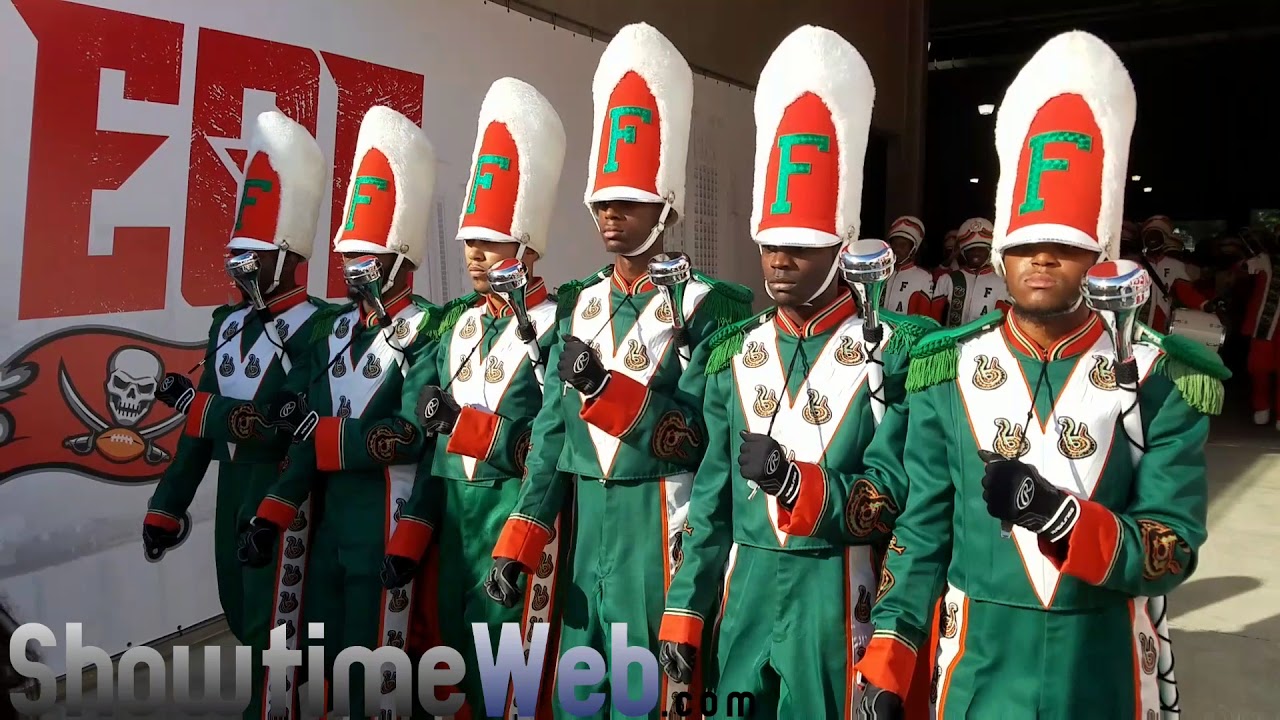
[
  {"x": 676, "y": 491},
  {"x": 393, "y": 629},
  {"x": 951, "y": 630},
  {"x": 538, "y": 605},
  {"x": 291, "y": 564},
  {"x": 860, "y": 588},
  {"x": 1146, "y": 655}
]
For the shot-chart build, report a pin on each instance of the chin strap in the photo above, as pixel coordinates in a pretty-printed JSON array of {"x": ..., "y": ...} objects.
[
  {"x": 831, "y": 275},
  {"x": 275, "y": 282},
  {"x": 653, "y": 234},
  {"x": 395, "y": 270}
]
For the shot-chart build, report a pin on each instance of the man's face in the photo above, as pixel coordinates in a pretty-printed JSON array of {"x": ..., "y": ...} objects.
[
  {"x": 1044, "y": 278},
  {"x": 949, "y": 245},
  {"x": 1153, "y": 239},
  {"x": 484, "y": 254},
  {"x": 975, "y": 258},
  {"x": 793, "y": 275},
  {"x": 902, "y": 248},
  {"x": 625, "y": 225}
]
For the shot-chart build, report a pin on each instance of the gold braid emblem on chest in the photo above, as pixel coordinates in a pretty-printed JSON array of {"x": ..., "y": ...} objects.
[
  {"x": 468, "y": 330},
  {"x": 1074, "y": 441},
  {"x": 755, "y": 356},
  {"x": 493, "y": 372},
  {"x": 464, "y": 373},
  {"x": 850, "y": 352},
  {"x": 637, "y": 358},
  {"x": 988, "y": 375},
  {"x": 592, "y": 309},
  {"x": 816, "y": 409},
  {"x": 1103, "y": 373},
  {"x": 1011, "y": 440},
  {"x": 663, "y": 313},
  {"x": 766, "y": 403}
]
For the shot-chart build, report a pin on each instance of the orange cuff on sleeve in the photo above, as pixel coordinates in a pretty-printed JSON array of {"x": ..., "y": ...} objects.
[
  {"x": 522, "y": 540},
  {"x": 411, "y": 538},
  {"x": 277, "y": 512},
  {"x": 1093, "y": 544},
  {"x": 680, "y": 628},
  {"x": 803, "y": 518},
  {"x": 161, "y": 520},
  {"x": 328, "y": 442},
  {"x": 889, "y": 665},
  {"x": 474, "y": 434},
  {"x": 618, "y": 406},
  {"x": 196, "y": 412}
]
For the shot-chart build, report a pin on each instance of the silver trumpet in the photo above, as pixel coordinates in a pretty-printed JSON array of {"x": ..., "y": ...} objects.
[
  {"x": 867, "y": 265},
  {"x": 364, "y": 277},
  {"x": 1117, "y": 290},
  {"x": 509, "y": 279},
  {"x": 243, "y": 269},
  {"x": 671, "y": 273}
]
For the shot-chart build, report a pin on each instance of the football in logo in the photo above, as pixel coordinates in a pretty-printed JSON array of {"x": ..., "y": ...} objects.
[{"x": 120, "y": 445}]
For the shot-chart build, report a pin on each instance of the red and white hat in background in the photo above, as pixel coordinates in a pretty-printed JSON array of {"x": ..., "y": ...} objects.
[
  {"x": 813, "y": 119},
  {"x": 643, "y": 92},
  {"x": 281, "y": 191},
  {"x": 515, "y": 169},
  {"x": 974, "y": 233},
  {"x": 1062, "y": 137},
  {"x": 392, "y": 191},
  {"x": 909, "y": 227}
]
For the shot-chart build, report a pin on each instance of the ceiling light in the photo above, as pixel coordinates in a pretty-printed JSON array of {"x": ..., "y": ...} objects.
[
  {"x": 1146, "y": 189},
  {"x": 973, "y": 180},
  {"x": 1136, "y": 178},
  {"x": 986, "y": 109}
]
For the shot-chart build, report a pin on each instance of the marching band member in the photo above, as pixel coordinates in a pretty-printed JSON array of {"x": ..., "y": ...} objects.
[
  {"x": 966, "y": 294},
  {"x": 910, "y": 291},
  {"x": 950, "y": 259},
  {"x": 253, "y": 346},
  {"x": 356, "y": 441},
  {"x": 492, "y": 388},
  {"x": 617, "y": 339},
  {"x": 1261, "y": 314},
  {"x": 1049, "y": 618},
  {"x": 1173, "y": 277}
]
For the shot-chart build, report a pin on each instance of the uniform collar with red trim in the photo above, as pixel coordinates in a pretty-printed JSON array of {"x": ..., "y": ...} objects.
[
  {"x": 638, "y": 286},
  {"x": 535, "y": 294},
  {"x": 393, "y": 306},
  {"x": 906, "y": 265},
  {"x": 825, "y": 320},
  {"x": 287, "y": 300},
  {"x": 1074, "y": 343}
]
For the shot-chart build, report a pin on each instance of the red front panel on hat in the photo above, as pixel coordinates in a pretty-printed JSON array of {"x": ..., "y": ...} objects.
[
  {"x": 491, "y": 202},
  {"x": 631, "y": 138},
  {"x": 802, "y": 182},
  {"x": 259, "y": 201},
  {"x": 1060, "y": 169},
  {"x": 373, "y": 200}
]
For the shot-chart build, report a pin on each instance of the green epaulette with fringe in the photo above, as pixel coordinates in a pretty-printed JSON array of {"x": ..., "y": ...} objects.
[
  {"x": 728, "y": 341},
  {"x": 446, "y": 316},
  {"x": 728, "y": 303},
  {"x": 567, "y": 294},
  {"x": 907, "y": 330},
  {"x": 935, "y": 357},
  {"x": 1196, "y": 370}
]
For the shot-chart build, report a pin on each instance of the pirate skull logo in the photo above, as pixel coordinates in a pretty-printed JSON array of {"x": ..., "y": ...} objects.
[{"x": 133, "y": 375}]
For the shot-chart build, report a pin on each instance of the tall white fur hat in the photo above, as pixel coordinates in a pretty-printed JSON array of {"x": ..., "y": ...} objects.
[
  {"x": 281, "y": 190},
  {"x": 515, "y": 169},
  {"x": 392, "y": 189},
  {"x": 813, "y": 118},
  {"x": 643, "y": 92},
  {"x": 1062, "y": 135}
]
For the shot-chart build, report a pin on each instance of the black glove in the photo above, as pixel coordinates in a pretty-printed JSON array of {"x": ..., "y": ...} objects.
[
  {"x": 502, "y": 585},
  {"x": 580, "y": 367},
  {"x": 437, "y": 411},
  {"x": 677, "y": 661},
  {"x": 157, "y": 540},
  {"x": 879, "y": 704},
  {"x": 1015, "y": 492},
  {"x": 290, "y": 412},
  {"x": 176, "y": 391},
  {"x": 256, "y": 543},
  {"x": 762, "y": 460},
  {"x": 397, "y": 571}
]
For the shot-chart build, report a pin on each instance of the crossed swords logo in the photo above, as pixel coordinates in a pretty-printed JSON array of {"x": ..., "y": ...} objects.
[{"x": 84, "y": 444}]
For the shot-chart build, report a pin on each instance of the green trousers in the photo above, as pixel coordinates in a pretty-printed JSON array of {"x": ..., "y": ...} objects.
[
  {"x": 472, "y": 518},
  {"x": 997, "y": 661},
  {"x": 621, "y": 565},
  {"x": 790, "y": 626}
]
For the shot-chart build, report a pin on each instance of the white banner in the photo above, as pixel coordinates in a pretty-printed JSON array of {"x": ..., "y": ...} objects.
[{"x": 120, "y": 150}]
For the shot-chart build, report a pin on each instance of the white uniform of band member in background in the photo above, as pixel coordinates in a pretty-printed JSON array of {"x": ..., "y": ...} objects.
[
  {"x": 1172, "y": 277},
  {"x": 964, "y": 295},
  {"x": 910, "y": 290}
]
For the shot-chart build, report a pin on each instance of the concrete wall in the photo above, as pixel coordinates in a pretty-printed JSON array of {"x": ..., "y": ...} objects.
[{"x": 733, "y": 39}]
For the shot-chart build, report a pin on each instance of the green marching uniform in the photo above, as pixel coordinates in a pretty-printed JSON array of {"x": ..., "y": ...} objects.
[
  {"x": 791, "y": 603},
  {"x": 1030, "y": 626},
  {"x": 629, "y": 504},
  {"x": 362, "y": 458},
  {"x": 487, "y": 370},
  {"x": 248, "y": 361}
]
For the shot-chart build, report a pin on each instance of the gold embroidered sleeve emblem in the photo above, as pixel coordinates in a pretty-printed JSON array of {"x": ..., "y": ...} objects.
[
  {"x": 864, "y": 512},
  {"x": 243, "y": 421},
  {"x": 672, "y": 436},
  {"x": 384, "y": 441},
  {"x": 1161, "y": 546}
]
